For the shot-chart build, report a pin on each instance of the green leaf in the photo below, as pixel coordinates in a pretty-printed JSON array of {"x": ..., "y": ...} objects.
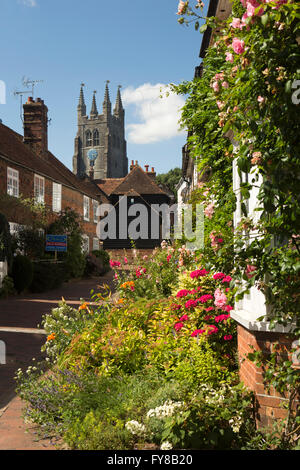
[
  {"x": 203, "y": 28},
  {"x": 264, "y": 18}
]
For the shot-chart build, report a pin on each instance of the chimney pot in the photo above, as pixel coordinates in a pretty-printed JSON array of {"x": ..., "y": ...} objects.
[{"x": 147, "y": 168}]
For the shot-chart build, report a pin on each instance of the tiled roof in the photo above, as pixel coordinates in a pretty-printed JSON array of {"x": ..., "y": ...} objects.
[
  {"x": 107, "y": 185},
  {"x": 16, "y": 151},
  {"x": 139, "y": 181}
]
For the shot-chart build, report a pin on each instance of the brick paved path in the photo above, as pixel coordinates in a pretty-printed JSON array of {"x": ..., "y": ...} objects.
[{"x": 19, "y": 320}]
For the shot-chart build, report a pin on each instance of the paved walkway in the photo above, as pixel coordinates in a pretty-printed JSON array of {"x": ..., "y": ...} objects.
[{"x": 19, "y": 330}]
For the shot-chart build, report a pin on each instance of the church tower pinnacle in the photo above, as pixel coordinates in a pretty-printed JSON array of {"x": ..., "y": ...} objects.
[
  {"x": 119, "y": 110},
  {"x": 106, "y": 102},
  {"x": 81, "y": 108},
  {"x": 94, "y": 110},
  {"x": 104, "y": 134}
]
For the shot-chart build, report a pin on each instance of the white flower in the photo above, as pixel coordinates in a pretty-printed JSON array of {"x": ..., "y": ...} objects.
[
  {"x": 167, "y": 409},
  {"x": 166, "y": 446},
  {"x": 135, "y": 427}
]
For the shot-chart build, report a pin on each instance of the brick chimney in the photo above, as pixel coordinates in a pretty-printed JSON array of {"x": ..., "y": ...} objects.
[
  {"x": 152, "y": 174},
  {"x": 36, "y": 125}
]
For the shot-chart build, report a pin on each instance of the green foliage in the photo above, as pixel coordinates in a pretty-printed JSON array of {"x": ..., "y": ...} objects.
[
  {"x": 5, "y": 241},
  {"x": 22, "y": 273},
  {"x": 247, "y": 93},
  {"x": 47, "y": 276},
  {"x": 69, "y": 223},
  {"x": 31, "y": 242},
  {"x": 170, "y": 179},
  {"x": 103, "y": 255},
  {"x": 7, "y": 288}
]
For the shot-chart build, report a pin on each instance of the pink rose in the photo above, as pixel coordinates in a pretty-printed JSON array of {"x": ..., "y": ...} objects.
[
  {"x": 220, "y": 298},
  {"x": 236, "y": 23},
  {"x": 250, "y": 269},
  {"x": 215, "y": 87},
  {"x": 181, "y": 7},
  {"x": 238, "y": 45},
  {"x": 229, "y": 57},
  {"x": 209, "y": 210}
]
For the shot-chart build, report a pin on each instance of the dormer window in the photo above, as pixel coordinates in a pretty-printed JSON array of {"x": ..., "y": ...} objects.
[
  {"x": 88, "y": 139},
  {"x": 96, "y": 139}
]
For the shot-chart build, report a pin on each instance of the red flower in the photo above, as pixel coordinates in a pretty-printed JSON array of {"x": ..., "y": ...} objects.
[
  {"x": 221, "y": 318},
  {"x": 191, "y": 303},
  {"x": 227, "y": 279},
  {"x": 198, "y": 273},
  {"x": 178, "y": 326},
  {"x": 114, "y": 263},
  {"x": 218, "y": 276},
  {"x": 228, "y": 308},
  {"x": 228, "y": 337},
  {"x": 212, "y": 329},
  {"x": 205, "y": 298},
  {"x": 184, "y": 318},
  {"x": 183, "y": 293},
  {"x": 207, "y": 317},
  {"x": 209, "y": 309},
  {"x": 197, "y": 332}
]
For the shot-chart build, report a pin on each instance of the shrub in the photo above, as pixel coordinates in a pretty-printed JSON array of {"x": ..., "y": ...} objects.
[
  {"x": 47, "y": 276},
  {"x": 5, "y": 241},
  {"x": 103, "y": 255},
  {"x": 97, "y": 263},
  {"x": 31, "y": 242},
  {"x": 68, "y": 223},
  {"x": 7, "y": 288},
  {"x": 22, "y": 273}
]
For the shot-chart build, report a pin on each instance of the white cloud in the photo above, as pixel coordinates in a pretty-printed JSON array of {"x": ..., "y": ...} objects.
[
  {"x": 28, "y": 3},
  {"x": 158, "y": 117}
]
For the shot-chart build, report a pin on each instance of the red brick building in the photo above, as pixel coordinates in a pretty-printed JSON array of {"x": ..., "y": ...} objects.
[{"x": 30, "y": 170}]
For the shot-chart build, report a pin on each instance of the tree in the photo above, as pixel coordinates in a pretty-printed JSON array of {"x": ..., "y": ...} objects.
[
  {"x": 69, "y": 223},
  {"x": 170, "y": 179}
]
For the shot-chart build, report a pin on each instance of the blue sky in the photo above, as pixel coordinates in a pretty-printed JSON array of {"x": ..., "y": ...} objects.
[{"x": 137, "y": 44}]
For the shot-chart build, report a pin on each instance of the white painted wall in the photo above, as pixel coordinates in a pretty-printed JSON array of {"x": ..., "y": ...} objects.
[{"x": 252, "y": 306}]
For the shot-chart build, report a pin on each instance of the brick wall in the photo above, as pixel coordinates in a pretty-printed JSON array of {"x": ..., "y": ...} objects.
[
  {"x": 70, "y": 197},
  {"x": 268, "y": 402}
]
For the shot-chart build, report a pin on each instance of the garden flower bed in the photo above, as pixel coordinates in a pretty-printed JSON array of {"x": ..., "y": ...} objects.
[{"x": 153, "y": 368}]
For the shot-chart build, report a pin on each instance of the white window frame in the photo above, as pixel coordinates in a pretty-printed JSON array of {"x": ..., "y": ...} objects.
[
  {"x": 39, "y": 189},
  {"x": 56, "y": 197},
  {"x": 95, "y": 207},
  {"x": 12, "y": 182},
  {"x": 85, "y": 243},
  {"x": 96, "y": 243},
  {"x": 86, "y": 208}
]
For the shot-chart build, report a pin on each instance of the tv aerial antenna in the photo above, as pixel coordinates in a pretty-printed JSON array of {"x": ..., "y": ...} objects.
[{"x": 27, "y": 83}]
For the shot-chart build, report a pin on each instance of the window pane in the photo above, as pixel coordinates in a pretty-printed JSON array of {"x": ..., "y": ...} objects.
[
  {"x": 12, "y": 182},
  {"x": 86, "y": 208},
  {"x": 56, "y": 197},
  {"x": 39, "y": 191}
]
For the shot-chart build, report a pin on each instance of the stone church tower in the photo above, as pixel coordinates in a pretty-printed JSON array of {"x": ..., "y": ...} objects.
[{"x": 104, "y": 133}]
